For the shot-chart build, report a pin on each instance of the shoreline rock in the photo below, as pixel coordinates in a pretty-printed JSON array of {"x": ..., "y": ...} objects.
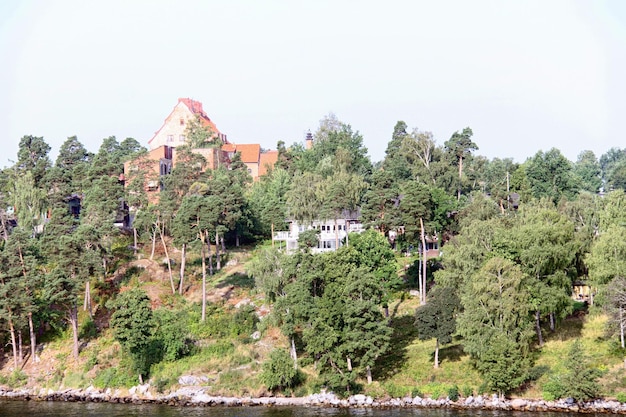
[{"x": 198, "y": 397}]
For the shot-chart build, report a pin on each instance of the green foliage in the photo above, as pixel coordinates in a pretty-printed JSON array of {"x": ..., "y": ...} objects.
[
  {"x": 115, "y": 377},
  {"x": 172, "y": 333},
  {"x": 553, "y": 389},
  {"x": 580, "y": 378},
  {"x": 88, "y": 330},
  {"x": 133, "y": 325},
  {"x": 279, "y": 372},
  {"x": 16, "y": 379},
  {"x": 621, "y": 397},
  {"x": 453, "y": 393},
  {"x": 244, "y": 321}
]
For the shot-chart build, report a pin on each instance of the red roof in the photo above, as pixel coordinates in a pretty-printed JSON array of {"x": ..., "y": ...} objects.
[
  {"x": 268, "y": 160},
  {"x": 249, "y": 152}
]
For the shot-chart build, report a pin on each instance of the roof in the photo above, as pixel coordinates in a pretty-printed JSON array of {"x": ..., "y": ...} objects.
[
  {"x": 249, "y": 152},
  {"x": 268, "y": 160},
  {"x": 229, "y": 147},
  {"x": 195, "y": 107}
]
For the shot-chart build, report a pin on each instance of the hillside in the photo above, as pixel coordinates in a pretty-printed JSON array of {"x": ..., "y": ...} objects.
[{"x": 227, "y": 353}]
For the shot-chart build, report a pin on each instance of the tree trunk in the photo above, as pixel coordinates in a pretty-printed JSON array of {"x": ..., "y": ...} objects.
[
  {"x": 436, "y": 353},
  {"x": 154, "y": 232},
  {"x": 538, "y": 327},
  {"x": 218, "y": 259},
  {"x": 349, "y": 362},
  {"x": 458, "y": 197},
  {"x": 20, "y": 345},
  {"x": 87, "y": 303},
  {"x": 552, "y": 322},
  {"x": 423, "y": 237},
  {"x": 74, "y": 323},
  {"x": 369, "y": 374},
  {"x": 140, "y": 379},
  {"x": 621, "y": 325},
  {"x": 169, "y": 264},
  {"x": 135, "y": 241},
  {"x": 13, "y": 341},
  {"x": 293, "y": 353},
  {"x": 182, "y": 268},
  {"x": 208, "y": 242},
  {"x": 203, "y": 277},
  {"x": 33, "y": 338}
]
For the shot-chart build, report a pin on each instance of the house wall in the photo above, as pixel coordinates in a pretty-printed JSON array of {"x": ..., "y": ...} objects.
[{"x": 172, "y": 133}]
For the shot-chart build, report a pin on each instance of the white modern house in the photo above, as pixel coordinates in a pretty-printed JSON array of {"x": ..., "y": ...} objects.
[{"x": 331, "y": 234}]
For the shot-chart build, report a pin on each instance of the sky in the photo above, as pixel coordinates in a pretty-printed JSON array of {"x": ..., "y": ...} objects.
[{"x": 525, "y": 75}]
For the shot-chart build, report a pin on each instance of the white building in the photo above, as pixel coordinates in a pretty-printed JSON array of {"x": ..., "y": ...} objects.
[{"x": 331, "y": 235}]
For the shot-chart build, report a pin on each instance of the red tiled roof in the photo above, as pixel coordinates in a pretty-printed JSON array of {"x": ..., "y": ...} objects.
[
  {"x": 268, "y": 160},
  {"x": 229, "y": 147},
  {"x": 249, "y": 152}
]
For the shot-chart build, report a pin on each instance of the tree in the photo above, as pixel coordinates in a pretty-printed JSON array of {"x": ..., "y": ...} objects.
[
  {"x": 588, "y": 172},
  {"x": 304, "y": 202},
  {"x": 419, "y": 148},
  {"x": 396, "y": 164},
  {"x": 461, "y": 146},
  {"x": 133, "y": 325},
  {"x": 268, "y": 201},
  {"x": 613, "y": 165},
  {"x": 437, "y": 318},
  {"x": 32, "y": 156},
  {"x": 616, "y": 307},
  {"x": 550, "y": 175},
  {"x": 278, "y": 373},
  {"x": 580, "y": 379},
  {"x": 496, "y": 310},
  {"x": 380, "y": 203}
]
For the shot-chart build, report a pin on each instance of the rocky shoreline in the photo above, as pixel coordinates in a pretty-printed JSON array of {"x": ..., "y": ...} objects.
[{"x": 197, "y": 397}]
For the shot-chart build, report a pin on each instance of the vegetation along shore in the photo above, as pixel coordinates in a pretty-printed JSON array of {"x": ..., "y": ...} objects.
[{"x": 433, "y": 278}]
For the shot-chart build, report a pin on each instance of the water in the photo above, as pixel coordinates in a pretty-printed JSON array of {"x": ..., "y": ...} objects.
[{"x": 63, "y": 409}]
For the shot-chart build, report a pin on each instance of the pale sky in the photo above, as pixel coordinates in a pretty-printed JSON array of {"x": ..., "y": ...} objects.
[{"x": 524, "y": 75}]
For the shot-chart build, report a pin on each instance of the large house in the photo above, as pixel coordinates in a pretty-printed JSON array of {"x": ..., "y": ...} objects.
[
  {"x": 162, "y": 156},
  {"x": 173, "y": 131}
]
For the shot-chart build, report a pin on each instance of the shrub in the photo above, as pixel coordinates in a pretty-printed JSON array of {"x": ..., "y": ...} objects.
[
  {"x": 467, "y": 391},
  {"x": 621, "y": 397},
  {"x": 453, "y": 393},
  {"x": 279, "y": 373},
  {"x": 553, "y": 389},
  {"x": 244, "y": 321}
]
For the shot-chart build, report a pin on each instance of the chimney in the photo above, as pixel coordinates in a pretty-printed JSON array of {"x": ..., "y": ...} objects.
[{"x": 309, "y": 140}]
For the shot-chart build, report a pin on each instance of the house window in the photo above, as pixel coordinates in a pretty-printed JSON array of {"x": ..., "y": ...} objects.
[
  {"x": 182, "y": 138},
  {"x": 182, "y": 121},
  {"x": 170, "y": 138},
  {"x": 153, "y": 185},
  {"x": 249, "y": 170}
]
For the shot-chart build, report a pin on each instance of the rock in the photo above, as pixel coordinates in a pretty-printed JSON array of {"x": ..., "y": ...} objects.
[
  {"x": 188, "y": 380},
  {"x": 256, "y": 335},
  {"x": 243, "y": 302},
  {"x": 469, "y": 400},
  {"x": 518, "y": 404}
]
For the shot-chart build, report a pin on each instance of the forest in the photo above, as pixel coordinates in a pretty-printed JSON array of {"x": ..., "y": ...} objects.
[{"x": 516, "y": 239}]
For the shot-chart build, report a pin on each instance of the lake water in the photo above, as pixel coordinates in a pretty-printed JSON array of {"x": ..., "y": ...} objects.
[{"x": 63, "y": 409}]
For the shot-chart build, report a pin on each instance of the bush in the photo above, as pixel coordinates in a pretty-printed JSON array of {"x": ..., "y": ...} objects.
[
  {"x": 244, "y": 321},
  {"x": 279, "y": 373},
  {"x": 172, "y": 331},
  {"x": 453, "y": 393},
  {"x": 467, "y": 391},
  {"x": 553, "y": 389},
  {"x": 88, "y": 330},
  {"x": 621, "y": 397}
]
